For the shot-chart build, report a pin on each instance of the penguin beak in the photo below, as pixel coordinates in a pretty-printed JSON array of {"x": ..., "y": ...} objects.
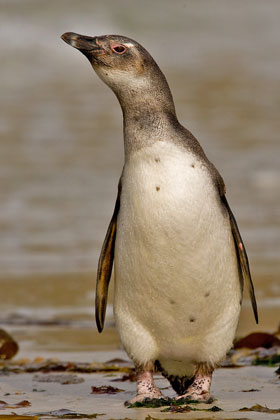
[{"x": 85, "y": 44}]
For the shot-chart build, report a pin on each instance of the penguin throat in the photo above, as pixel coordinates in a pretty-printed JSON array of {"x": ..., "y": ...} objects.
[
  {"x": 145, "y": 127},
  {"x": 136, "y": 102}
]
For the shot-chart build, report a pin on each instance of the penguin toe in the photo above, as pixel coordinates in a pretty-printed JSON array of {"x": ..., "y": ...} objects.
[
  {"x": 146, "y": 400},
  {"x": 204, "y": 397}
]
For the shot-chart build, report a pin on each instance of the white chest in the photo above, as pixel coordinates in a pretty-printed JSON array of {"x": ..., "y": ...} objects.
[
  {"x": 166, "y": 188},
  {"x": 171, "y": 222}
]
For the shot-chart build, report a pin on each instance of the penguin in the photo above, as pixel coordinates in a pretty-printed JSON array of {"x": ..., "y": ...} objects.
[{"x": 179, "y": 260}]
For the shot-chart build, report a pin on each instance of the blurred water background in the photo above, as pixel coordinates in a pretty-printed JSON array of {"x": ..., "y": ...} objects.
[{"x": 62, "y": 149}]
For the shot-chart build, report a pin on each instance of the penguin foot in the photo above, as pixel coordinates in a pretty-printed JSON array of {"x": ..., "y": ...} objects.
[
  {"x": 146, "y": 388},
  {"x": 199, "y": 390}
]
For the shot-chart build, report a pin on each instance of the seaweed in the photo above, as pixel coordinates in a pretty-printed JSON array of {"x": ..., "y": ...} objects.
[
  {"x": 160, "y": 402},
  {"x": 187, "y": 409},
  {"x": 64, "y": 413},
  {"x": 261, "y": 409},
  {"x": 117, "y": 361},
  {"x": 104, "y": 389},
  {"x": 270, "y": 361},
  {"x": 250, "y": 390},
  {"x": 4, "y": 405},
  {"x": 150, "y": 403},
  {"x": 180, "y": 405}
]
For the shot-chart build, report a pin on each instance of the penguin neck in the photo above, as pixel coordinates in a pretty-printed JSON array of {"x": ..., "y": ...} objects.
[{"x": 147, "y": 118}]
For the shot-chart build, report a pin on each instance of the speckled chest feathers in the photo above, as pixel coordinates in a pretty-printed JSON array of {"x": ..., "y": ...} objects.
[{"x": 177, "y": 280}]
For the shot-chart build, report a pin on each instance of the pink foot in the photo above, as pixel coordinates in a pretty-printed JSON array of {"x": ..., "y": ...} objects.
[
  {"x": 146, "y": 388},
  {"x": 199, "y": 390}
]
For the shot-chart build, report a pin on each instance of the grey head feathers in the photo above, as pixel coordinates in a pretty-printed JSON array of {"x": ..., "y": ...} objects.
[
  {"x": 127, "y": 68},
  {"x": 143, "y": 92}
]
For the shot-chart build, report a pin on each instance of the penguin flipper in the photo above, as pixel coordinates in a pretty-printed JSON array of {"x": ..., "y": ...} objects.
[
  {"x": 242, "y": 258},
  {"x": 104, "y": 269}
]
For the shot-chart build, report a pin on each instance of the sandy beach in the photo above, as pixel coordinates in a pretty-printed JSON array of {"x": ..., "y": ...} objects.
[{"x": 48, "y": 397}]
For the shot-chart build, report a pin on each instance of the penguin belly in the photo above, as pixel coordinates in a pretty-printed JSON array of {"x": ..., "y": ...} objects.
[{"x": 177, "y": 289}]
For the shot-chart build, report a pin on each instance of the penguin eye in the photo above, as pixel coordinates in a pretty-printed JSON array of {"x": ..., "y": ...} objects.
[{"x": 119, "y": 49}]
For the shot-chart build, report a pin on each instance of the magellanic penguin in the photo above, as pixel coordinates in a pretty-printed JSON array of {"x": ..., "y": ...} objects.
[{"x": 179, "y": 260}]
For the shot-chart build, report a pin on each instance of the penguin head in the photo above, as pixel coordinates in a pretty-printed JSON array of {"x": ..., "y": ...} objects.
[{"x": 122, "y": 63}]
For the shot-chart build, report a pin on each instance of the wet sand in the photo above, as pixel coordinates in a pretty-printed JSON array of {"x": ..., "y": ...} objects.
[{"x": 230, "y": 387}]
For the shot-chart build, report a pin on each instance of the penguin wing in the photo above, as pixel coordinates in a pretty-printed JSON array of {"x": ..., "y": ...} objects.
[
  {"x": 242, "y": 258},
  {"x": 105, "y": 265}
]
